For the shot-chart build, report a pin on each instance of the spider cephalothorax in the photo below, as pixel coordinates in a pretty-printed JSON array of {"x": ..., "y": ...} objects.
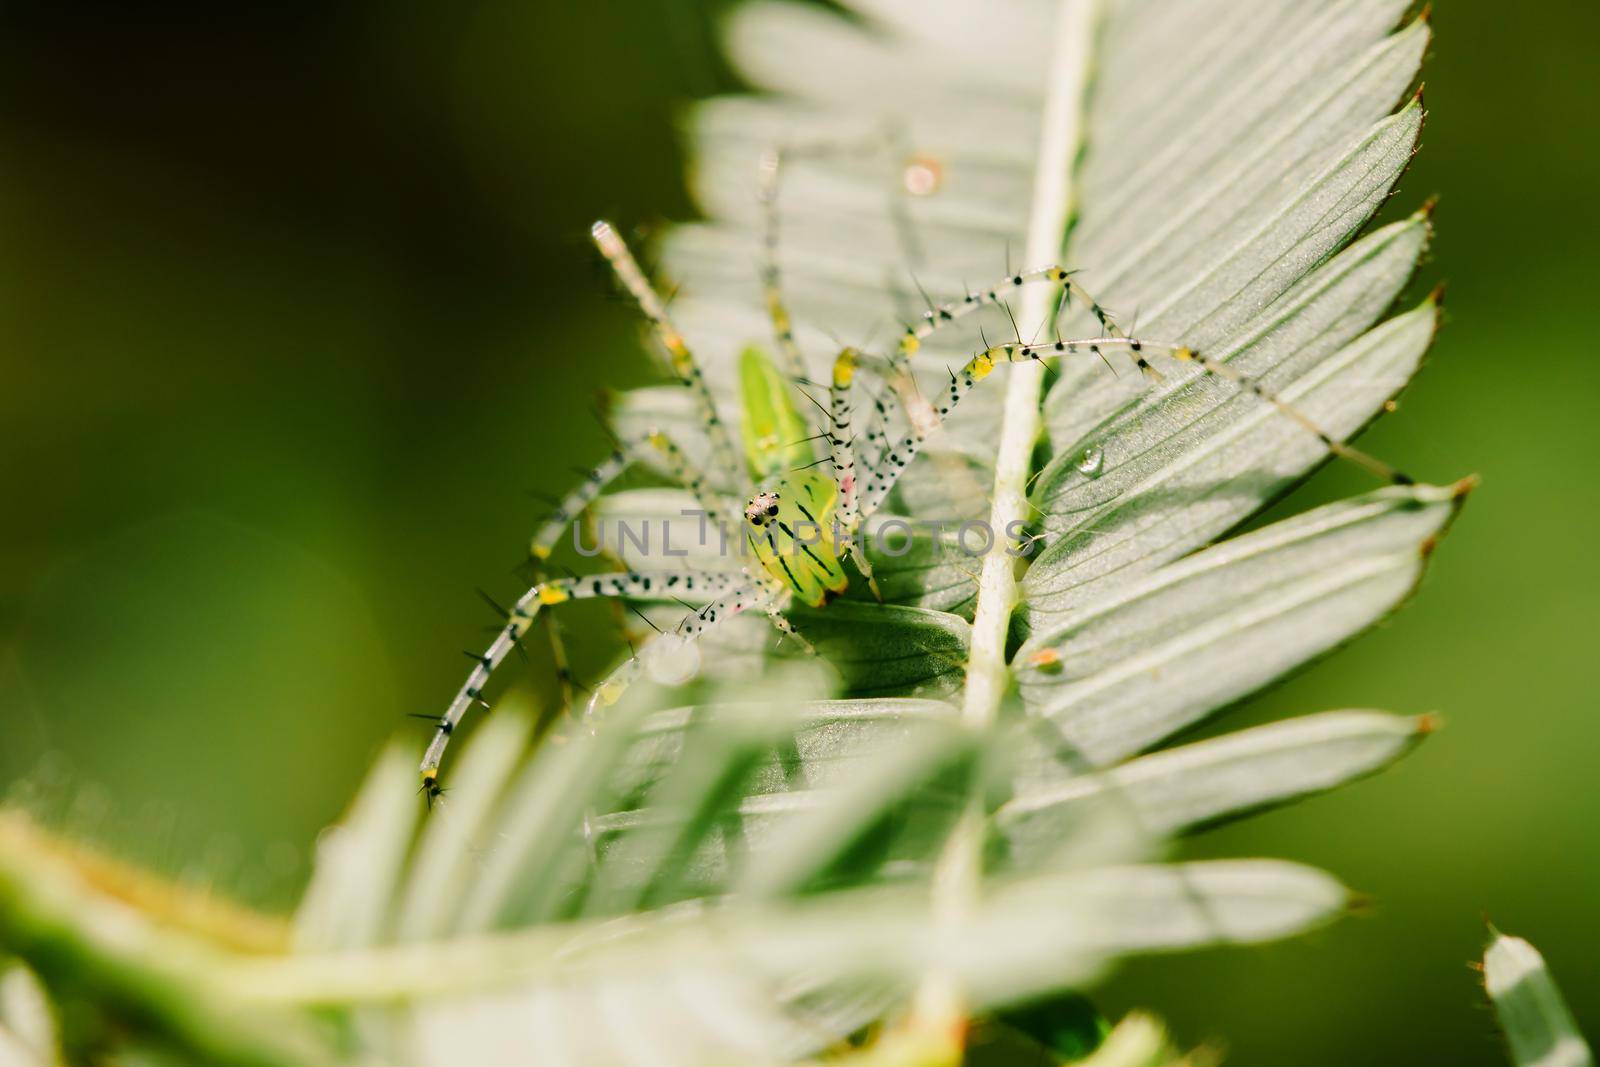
[
  {"x": 793, "y": 531},
  {"x": 762, "y": 509}
]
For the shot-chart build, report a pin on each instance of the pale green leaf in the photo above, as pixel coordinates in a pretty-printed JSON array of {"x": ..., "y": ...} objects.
[
  {"x": 1176, "y": 474},
  {"x": 1171, "y": 181},
  {"x": 886, "y": 650},
  {"x": 1182, "y": 788},
  {"x": 359, "y": 863},
  {"x": 1533, "y": 1014},
  {"x": 447, "y": 850},
  {"x": 28, "y": 1031},
  {"x": 749, "y": 878},
  {"x": 1139, "y": 662}
]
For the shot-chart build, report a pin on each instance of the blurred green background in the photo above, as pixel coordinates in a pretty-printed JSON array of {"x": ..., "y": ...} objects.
[{"x": 294, "y": 306}]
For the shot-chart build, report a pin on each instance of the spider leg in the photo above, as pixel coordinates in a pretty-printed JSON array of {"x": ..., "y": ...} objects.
[
  {"x": 684, "y": 365},
  {"x": 771, "y": 172},
  {"x": 882, "y": 476},
  {"x": 1137, "y": 349},
  {"x": 842, "y": 453},
  {"x": 881, "y": 479},
  {"x": 774, "y": 609},
  {"x": 524, "y": 611},
  {"x": 743, "y": 594},
  {"x": 890, "y": 143},
  {"x": 1215, "y": 368},
  {"x": 939, "y": 316},
  {"x": 651, "y": 444}
]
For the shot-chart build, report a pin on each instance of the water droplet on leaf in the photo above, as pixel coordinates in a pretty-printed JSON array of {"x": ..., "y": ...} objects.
[{"x": 1092, "y": 463}]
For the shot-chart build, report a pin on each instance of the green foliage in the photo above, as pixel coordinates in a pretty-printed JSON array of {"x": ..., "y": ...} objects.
[
  {"x": 1537, "y": 1023},
  {"x": 790, "y": 860}
]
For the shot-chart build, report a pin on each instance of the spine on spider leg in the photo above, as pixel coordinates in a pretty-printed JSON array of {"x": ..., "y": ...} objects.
[
  {"x": 875, "y": 438},
  {"x": 522, "y": 614},
  {"x": 940, "y": 316},
  {"x": 841, "y": 445},
  {"x": 881, "y": 478},
  {"x": 684, "y": 365},
  {"x": 743, "y": 596},
  {"x": 630, "y": 450},
  {"x": 1338, "y": 448},
  {"x": 1221, "y": 370},
  {"x": 1137, "y": 348}
]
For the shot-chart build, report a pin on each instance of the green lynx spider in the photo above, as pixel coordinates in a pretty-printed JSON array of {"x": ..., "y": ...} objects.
[{"x": 800, "y": 524}]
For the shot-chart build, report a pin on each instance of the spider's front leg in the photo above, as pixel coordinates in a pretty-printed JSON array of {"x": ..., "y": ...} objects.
[
  {"x": 888, "y": 143},
  {"x": 650, "y": 446},
  {"x": 681, "y": 360},
  {"x": 881, "y": 479},
  {"x": 642, "y": 448},
  {"x": 747, "y": 593},
  {"x": 878, "y": 481},
  {"x": 842, "y": 454},
  {"x": 526, "y": 609}
]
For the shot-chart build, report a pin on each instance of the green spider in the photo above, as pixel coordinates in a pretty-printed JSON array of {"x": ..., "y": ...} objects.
[{"x": 800, "y": 525}]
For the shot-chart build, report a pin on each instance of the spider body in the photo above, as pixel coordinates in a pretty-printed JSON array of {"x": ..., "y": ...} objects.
[{"x": 790, "y": 527}]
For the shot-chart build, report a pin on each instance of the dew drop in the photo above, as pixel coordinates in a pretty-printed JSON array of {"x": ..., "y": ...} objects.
[
  {"x": 670, "y": 659},
  {"x": 1093, "y": 462}
]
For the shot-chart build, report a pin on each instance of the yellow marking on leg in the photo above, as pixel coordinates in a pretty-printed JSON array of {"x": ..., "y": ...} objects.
[
  {"x": 549, "y": 594},
  {"x": 844, "y": 368}
]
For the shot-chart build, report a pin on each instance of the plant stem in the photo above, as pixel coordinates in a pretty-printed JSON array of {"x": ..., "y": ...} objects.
[{"x": 939, "y": 1001}]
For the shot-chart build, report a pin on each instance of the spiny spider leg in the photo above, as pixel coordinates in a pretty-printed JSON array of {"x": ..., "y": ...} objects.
[
  {"x": 1137, "y": 348},
  {"x": 684, "y": 365},
  {"x": 750, "y": 594},
  {"x": 940, "y": 316},
  {"x": 648, "y": 444},
  {"x": 889, "y": 142},
  {"x": 771, "y": 168},
  {"x": 842, "y": 453},
  {"x": 524, "y": 611},
  {"x": 881, "y": 480}
]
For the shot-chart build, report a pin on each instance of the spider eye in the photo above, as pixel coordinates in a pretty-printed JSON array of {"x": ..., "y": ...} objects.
[{"x": 772, "y": 509}]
